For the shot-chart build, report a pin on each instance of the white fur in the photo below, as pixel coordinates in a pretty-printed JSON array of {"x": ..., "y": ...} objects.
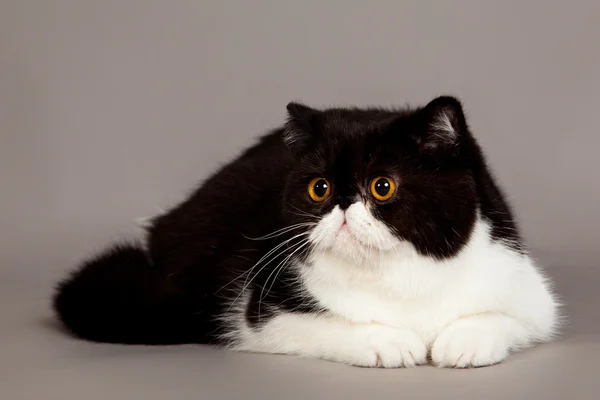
[
  {"x": 443, "y": 129},
  {"x": 386, "y": 305}
]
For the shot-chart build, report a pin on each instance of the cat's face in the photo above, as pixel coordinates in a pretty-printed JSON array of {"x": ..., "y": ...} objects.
[{"x": 370, "y": 181}]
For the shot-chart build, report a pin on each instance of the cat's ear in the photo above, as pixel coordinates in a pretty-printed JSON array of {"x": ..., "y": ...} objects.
[
  {"x": 441, "y": 125},
  {"x": 301, "y": 127}
]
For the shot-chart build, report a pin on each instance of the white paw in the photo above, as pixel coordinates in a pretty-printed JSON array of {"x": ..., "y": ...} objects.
[
  {"x": 387, "y": 347},
  {"x": 463, "y": 346}
]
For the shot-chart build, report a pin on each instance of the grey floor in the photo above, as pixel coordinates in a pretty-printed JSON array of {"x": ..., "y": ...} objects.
[{"x": 39, "y": 361}]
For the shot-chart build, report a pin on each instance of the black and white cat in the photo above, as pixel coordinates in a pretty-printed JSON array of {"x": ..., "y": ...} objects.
[{"x": 371, "y": 237}]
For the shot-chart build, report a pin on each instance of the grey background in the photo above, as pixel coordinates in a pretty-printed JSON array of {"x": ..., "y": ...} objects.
[{"x": 110, "y": 110}]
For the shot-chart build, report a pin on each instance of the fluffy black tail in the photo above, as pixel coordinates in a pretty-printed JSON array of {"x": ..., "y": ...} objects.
[{"x": 119, "y": 297}]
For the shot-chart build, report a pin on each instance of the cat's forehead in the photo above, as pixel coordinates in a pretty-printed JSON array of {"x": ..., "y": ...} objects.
[
  {"x": 356, "y": 123},
  {"x": 351, "y": 154},
  {"x": 360, "y": 134},
  {"x": 352, "y": 139}
]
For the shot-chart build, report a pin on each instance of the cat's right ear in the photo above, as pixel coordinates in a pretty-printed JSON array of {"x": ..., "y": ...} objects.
[{"x": 301, "y": 127}]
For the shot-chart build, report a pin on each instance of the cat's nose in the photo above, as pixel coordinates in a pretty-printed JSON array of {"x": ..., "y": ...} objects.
[{"x": 345, "y": 201}]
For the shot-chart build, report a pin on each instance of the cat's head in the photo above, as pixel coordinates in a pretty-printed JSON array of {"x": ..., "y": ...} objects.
[{"x": 371, "y": 180}]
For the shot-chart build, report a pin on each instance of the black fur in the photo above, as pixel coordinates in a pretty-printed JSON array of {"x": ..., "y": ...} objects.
[{"x": 202, "y": 252}]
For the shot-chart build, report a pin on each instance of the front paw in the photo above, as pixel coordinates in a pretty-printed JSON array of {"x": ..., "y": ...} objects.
[
  {"x": 465, "y": 346},
  {"x": 387, "y": 347}
]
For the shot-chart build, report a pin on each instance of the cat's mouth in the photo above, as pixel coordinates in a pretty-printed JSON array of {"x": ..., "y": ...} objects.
[
  {"x": 345, "y": 234},
  {"x": 353, "y": 231}
]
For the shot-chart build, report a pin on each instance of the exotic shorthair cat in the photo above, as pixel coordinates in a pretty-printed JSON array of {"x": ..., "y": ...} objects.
[{"x": 373, "y": 237}]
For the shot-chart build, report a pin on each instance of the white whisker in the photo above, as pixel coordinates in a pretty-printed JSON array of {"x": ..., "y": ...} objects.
[
  {"x": 247, "y": 283},
  {"x": 268, "y": 254},
  {"x": 279, "y": 267},
  {"x": 281, "y": 231}
]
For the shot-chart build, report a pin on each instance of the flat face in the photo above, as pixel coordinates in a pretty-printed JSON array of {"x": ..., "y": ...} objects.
[{"x": 368, "y": 181}]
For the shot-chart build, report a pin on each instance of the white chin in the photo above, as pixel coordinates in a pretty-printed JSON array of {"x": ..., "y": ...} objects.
[
  {"x": 347, "y": 244},
  {"x": 344, "y": 238}
]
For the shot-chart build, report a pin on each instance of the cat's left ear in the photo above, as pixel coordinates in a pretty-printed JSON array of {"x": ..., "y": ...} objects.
[
  {"x": 441, "y": 125},
  {"x": 301, "y": 128}
]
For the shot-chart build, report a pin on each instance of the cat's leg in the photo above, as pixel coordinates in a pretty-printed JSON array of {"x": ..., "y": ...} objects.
[
  {"x": 479, "y": 340},
  {"x": 330, "y": 338}
]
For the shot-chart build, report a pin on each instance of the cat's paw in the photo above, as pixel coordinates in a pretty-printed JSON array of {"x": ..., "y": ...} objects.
[
  {"x": 387, "y": 347},
  {"x": 465, "y": 346}
]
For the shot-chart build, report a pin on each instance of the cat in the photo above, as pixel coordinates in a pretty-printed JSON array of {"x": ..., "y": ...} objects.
[{"x": 366, "y": 236}]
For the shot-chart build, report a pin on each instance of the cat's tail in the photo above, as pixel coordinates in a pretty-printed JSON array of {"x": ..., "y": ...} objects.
[{"x": 120, "y": 297}]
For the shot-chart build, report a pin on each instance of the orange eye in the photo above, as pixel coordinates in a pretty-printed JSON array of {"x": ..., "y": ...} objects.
[
  {"x": 382, "y": 188},
  {"x": 319, "y": 189}
]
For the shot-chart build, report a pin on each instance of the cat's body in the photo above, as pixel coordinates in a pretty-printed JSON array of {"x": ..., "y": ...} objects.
[{"x": 370, "y": 237}]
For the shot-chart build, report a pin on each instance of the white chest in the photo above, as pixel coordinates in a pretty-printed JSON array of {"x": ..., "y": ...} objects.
[{"x": 417, "y": 293}]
